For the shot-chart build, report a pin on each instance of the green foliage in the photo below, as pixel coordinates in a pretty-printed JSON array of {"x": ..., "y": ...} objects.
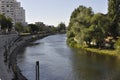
[
  {"x": 38, "y": 28},
  {"x": 89, "y": 28},
  {"x": 117, "y": 44},
  {"x": 46, "y": 28},
  {"x": 70, "y": 34},
  {"x": 113, "y": 15},
  {"x": 79, "y": 22},
  {"x": 41, "y": 26},
  {"x": 53, "y": 29},
  {"x": 19, "y": 27},
  {"x": 112, "y": 9},
  {"x": 61, "y": 27},
  {"x": 5, "y": 23},
  {"x": 71, "y": 42},
  {"x": 9, "y": 23},
  {"x": 33, "y": 28},
  {"x": 27, "y": 29}
]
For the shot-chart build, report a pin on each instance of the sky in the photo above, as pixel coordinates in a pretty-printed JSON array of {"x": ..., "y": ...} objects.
[{"x": 52, "y": 12}]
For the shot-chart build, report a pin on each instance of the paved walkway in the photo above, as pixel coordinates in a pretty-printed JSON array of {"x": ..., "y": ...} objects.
[{"x": 5, "y": 73}]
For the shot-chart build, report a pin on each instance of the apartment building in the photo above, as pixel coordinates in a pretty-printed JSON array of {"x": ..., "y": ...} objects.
[
  {"x": 12, "y": 9},
  {"x": 19, "y": 13}
]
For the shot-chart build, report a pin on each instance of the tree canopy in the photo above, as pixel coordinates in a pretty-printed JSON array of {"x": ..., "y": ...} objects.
[
  {"x": 61, "y": 27},
  {"x": 5, "y": 23},
  {"x": 93, "y": 29}
]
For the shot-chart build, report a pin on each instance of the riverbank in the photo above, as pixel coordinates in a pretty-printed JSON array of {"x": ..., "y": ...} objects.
[
  {"x": 103, "y": 51},
  {"x": 64, "y": 63},
  {"x": 5, "y": 72},
  {"x": 95, "y": 50},
  {"x": 9, "y": 69}
]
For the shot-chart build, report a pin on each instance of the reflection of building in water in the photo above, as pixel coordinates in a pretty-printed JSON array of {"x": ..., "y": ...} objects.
[{"x": 12, "y": 9}]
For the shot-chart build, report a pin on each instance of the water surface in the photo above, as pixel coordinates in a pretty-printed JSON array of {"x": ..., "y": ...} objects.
[{"x": 60, "y": 62}]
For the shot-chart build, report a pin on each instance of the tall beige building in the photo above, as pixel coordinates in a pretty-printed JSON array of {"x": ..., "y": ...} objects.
[{"x": 12, "y": 9}]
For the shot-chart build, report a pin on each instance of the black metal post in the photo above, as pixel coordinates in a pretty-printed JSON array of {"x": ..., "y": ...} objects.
[{"x": 37, "y": 71}]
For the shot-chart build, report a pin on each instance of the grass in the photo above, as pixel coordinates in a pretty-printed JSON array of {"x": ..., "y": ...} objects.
[
  {"x": 103, "y": 51},
  {"x": 98, "y": 51},
  {"x": 24, "y": 34}
]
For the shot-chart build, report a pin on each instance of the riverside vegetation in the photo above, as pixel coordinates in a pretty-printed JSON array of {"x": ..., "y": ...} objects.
[
  {"x": 6, "y": 27},
  {"x": 98, "y": 32}
]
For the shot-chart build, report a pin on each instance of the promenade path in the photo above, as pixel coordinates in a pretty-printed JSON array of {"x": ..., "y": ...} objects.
[{"x": 5, "y": 72}]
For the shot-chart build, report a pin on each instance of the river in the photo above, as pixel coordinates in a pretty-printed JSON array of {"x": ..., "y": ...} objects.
[{"x": 60, "y": 62}]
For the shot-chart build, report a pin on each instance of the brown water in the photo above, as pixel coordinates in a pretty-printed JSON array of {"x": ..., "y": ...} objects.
[{"x": 60, "y": 62}]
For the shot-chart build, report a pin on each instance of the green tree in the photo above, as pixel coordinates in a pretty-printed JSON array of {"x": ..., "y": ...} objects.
[
  {"x": 79, "y": 22},
  {"x": 9, "y": 23},
  {"x": 19, "y": 27},
  {"x": 114, "y": 14},
  {"x": 85, "y": 26},
  {"x": 33, "y": 28},
  {"x": 61, "y": 27},
  {"x": 41, "y": 26},
  {"x": 27, "y": 29},
  {"x": 5, "y": 23},
  {"x": 52, "y": 29},
  {"x": 117, "y": 45},
  {"x": 101, "y": 22}
]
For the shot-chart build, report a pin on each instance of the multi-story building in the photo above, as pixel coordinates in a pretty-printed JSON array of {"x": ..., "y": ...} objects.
[
  {"x": 13, "y": 10},
  {"x": 19, "y": 13}
]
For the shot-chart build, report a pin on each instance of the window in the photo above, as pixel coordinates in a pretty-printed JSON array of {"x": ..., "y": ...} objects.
[
  {"x": 3, "y": 8},
  {"x": 11, "y": 13},
  {"x": 7, "y": 10},
  {"x": 7, "y": 5}
]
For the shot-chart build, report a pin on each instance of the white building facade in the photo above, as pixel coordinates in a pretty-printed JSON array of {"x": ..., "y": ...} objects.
[{"x": 13, "y": 10}]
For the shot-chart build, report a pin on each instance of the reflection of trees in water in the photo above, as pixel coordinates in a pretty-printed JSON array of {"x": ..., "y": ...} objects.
[{"x": 89, "y": 66}]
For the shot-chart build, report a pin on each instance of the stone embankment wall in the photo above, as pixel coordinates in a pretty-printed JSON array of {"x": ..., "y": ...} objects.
[
  {"x": 5, "y": 51},
  {"x": 9, "y": 46}
]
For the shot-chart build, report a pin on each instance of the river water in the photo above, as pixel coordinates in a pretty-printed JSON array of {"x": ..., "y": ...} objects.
[{"x": 60, "y": 62}]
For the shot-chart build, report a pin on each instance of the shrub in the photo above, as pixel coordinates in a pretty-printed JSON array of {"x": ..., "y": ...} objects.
[{"x": 117, "y": 44}]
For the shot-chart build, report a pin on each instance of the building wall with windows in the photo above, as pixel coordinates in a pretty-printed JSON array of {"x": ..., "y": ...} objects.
[{"x": 12, "y": 9}]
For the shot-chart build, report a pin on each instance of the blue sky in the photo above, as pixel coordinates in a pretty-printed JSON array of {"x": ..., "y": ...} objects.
[{"x": 52, "y": 12}]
